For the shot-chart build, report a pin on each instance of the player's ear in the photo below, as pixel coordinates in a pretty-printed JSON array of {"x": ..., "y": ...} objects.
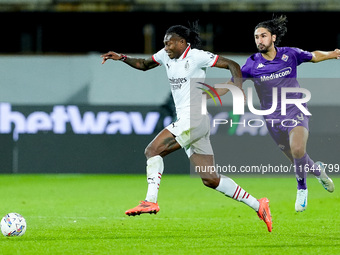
[{"x": 274, "y": 38}]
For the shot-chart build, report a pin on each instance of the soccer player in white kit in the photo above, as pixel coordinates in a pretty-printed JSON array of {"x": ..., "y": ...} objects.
[{"x": 183, "y": 62}]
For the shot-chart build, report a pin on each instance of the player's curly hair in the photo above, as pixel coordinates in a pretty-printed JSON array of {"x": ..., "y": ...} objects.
[
  {"x": 191, "y": 34},
  {"x": 276, "y": 26}
]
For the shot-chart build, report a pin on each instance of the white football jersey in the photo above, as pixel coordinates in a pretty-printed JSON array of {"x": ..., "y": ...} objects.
[{"x": 191, "y": 65}]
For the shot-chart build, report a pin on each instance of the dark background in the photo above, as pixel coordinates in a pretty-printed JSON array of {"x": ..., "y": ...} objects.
[{"x": 81, "y": 32}]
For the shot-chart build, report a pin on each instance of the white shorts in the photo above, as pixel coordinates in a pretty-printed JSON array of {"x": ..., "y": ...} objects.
[{"x": 193, "y": 135}]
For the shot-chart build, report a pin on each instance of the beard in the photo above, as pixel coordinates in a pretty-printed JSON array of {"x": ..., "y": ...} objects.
[{"x": 262, "y": 48}]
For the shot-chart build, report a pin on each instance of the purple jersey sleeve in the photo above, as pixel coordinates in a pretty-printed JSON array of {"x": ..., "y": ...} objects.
[
  {"x": 301, "y": 55},
  {"x": 247, "y": 69}
]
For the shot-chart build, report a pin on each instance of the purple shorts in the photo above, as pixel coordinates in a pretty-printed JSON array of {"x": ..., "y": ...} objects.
[{"x": 280, "y": 129}]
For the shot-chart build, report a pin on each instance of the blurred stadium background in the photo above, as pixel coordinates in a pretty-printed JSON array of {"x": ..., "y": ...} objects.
[{"x": 61, "y": 111}]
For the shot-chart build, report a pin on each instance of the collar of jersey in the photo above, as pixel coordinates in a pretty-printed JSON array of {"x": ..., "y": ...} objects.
[
  {"x": 278, "y": 55},
  {"x": 185, "y": 53}
]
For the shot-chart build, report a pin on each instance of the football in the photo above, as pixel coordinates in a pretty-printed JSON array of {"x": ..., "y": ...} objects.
[{"x": 13, "y": 224}]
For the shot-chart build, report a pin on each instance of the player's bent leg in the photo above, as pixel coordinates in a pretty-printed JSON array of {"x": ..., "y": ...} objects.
[
  {"x": 163, "y": 144},
  {"x": 229, "y": 188}
]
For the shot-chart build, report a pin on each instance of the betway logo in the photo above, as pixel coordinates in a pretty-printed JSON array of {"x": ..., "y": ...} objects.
[
  {"x": 89, "y": 123},
  {"x": 279, "y": 74}
]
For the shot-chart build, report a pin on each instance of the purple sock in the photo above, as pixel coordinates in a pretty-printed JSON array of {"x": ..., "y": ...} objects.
[
  {"x": 300, "y": 172},
  {"x": 313, "y": 168}
]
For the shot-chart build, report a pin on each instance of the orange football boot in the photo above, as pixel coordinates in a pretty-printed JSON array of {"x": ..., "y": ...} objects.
[
  {"x": 264, "y": 213},
  {"x": 143, "y": 207}
]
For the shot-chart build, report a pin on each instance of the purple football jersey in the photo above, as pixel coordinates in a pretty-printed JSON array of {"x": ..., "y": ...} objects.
[{"x": 279, "y": 72}]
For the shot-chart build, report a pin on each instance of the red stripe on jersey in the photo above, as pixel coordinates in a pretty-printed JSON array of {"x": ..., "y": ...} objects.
[
  {"x": 215, "y": 61},
  {"x": 236, "y": 191},
  {"x": 153, "y": 58},
  {"x": 247, "y": 196},
  {"x": 186, "y": 52},
  {"x": 245, "y": 193}
]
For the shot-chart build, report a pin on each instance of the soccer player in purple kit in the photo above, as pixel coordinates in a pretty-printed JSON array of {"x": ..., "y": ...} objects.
[{"x": 276, "y": 67}]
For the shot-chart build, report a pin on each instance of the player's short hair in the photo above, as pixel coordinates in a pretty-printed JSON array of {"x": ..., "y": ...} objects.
[
  {"x": 276, "y": 26},
  {"x": 191, "y": 34}
]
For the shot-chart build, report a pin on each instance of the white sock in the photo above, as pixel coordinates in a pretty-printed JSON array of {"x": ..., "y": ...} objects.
[
  {"x": 154, "y": 171},
  {"x": 229, "y": 188}
]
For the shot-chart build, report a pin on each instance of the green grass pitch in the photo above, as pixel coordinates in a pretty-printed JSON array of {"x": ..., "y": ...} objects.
[{"x": 84, "y": 214}]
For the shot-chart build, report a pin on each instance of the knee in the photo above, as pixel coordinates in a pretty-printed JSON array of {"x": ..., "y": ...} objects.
[
  {"x": 211, "y": 182},
  {"x": 153, "y": 150},
  {"x": 298, "y": 151},
  {"x": 149, "y": 151}
]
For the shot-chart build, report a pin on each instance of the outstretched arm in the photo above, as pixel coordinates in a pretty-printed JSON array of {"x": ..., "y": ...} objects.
[
  {"x": 137, "y": 63},
  {"x": 319, "y": 56}
]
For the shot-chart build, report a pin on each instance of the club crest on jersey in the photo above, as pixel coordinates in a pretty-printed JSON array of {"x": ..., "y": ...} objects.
[
  {"x": 186, "y": 65},
  {"x": 284, "y": 57}
]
